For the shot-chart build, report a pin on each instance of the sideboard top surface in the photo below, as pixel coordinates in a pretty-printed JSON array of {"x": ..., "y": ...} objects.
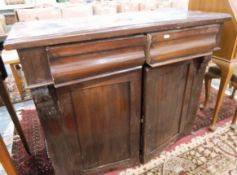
[{"x": 51, "y": 32}]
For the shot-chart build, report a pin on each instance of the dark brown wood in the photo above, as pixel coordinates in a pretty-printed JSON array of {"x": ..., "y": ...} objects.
[
  {"x": 86, "y": 82},
  {"x": 95, "y": 46},
  {"x": 6, "y": 100},
  {"x": 198, "y": 70},
  {"x": 79, "y": 61},
  {"x": 96, "y": 123},
  {"x": 177, "y": 87},
  {"x": 171, "y": 45},
  {"x": 164, "y": 89},
  {"x": 41, "y": 33},
  {"x": 36, "y": 68}
]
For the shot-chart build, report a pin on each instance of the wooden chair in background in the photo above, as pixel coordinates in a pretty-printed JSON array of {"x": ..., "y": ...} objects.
[
  {"x": 11, "y": 57},
  {"x": 234, "y": 85},
  {"x": 226, "y": 57},
  {"x": 214, "y": 72},
  {"x": 234, "y": 121},
  {"x": 6, "y": 100}
]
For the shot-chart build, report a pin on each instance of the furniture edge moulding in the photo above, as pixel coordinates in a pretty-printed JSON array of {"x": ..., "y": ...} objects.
[{"x": 92, "y": 33}]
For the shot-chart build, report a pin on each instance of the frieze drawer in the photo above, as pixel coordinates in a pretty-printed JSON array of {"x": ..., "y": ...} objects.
[
  {"x": 73, "y": 63},
  {"x": 172, "y": 46}
]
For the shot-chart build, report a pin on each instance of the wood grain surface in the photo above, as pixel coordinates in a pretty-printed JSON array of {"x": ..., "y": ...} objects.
[{"x": 40, "y": 33}]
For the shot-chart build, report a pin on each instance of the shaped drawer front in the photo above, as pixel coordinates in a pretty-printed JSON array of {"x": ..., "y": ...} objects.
[
  {"x": 73, "y": 63},
  {"x": 178, "y": 45}
]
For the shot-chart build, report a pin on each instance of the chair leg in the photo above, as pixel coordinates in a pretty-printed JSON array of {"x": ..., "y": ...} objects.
[
  {"x": 6, "y": 100},
  {"x": 234, "y": 121},
  {"x": 226, "y": 73},
  {"x": 207, "y": 90},
  {"x": 233, "y": 94},
  {"x": 5, "y": 159},
  {"x": 19, "y": 83}
]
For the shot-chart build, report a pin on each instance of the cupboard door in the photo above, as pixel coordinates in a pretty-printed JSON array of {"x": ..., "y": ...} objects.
[
  {"x": 106, "y": 116},
  {"x": 164, "y": 93},
  {"x": 171, "y": 98}
]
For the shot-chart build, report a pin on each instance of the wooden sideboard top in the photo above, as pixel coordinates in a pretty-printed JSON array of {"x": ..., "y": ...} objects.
[{"x": 44, "y": 33}]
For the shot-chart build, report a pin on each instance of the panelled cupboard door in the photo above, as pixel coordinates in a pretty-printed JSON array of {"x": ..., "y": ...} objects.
[
  {"x": 171, "y": 98},
  {"x": 105, "y": 116}
]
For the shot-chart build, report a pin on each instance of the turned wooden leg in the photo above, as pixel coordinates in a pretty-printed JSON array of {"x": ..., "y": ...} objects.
[
  {"x": 233, "y": 94},
  {"x": 234, "y": 121},
  {"x": 207, "y": 90},
  {"x": 226, "y": 73},
  {"x": 5, "y": 159},
  {"x": 18, "y": 80},
  {"x": 6, "y": 100}
]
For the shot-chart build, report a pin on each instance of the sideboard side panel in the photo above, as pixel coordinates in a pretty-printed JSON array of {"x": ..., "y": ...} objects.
[
  {"x": 194, "y": 88},
  {"x": 51, "y": 120},
  {"x": 35, "y": 65}
]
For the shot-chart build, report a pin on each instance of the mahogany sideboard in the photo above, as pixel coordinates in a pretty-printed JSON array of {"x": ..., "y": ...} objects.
[{"x": 113, "y": 91}]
